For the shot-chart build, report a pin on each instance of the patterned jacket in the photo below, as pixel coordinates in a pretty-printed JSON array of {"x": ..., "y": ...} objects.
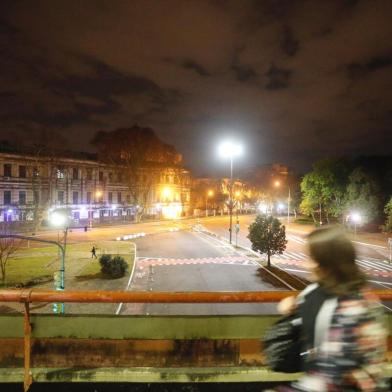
[{"x": 352, "y": 354}]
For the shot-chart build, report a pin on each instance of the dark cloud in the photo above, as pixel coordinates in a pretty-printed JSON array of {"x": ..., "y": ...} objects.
[
  {"x": 194, "y": 66},
  {"x": 243, "y": 73},
  {"x": 356, "y": 70},
  {"x": 293, "y": 79},
  {"x": 277, "y": 78}
]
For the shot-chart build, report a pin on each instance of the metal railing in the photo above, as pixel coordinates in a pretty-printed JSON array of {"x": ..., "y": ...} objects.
[{"x": 28, "y": 296}]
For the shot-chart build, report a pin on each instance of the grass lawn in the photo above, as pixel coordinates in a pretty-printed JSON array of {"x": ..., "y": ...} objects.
[{"x": 32, "y": 266}]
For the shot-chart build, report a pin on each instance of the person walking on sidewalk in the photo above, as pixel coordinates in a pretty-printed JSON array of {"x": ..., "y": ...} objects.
[
  {"x": 351, "y": 354},
  {"x": 93, "y": 252}
]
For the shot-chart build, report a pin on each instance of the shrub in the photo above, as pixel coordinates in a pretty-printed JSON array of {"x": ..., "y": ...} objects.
[{"x": 115, "y": 267}]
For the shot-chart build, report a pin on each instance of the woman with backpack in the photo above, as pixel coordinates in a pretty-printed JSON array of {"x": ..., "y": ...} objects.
[{"x": 342, "y": 326}]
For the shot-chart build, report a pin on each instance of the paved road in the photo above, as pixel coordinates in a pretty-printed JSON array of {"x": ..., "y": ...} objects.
[
  {"x": 192, "y": 261},
  {"x": 371, "y": 259}
]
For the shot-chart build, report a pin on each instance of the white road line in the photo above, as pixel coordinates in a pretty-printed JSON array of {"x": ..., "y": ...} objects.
[
  {"x": 296, "y": 270},
  {"x": 375, "y": 266},
  {"x": 379, "y": 263},
  {"x": 295, "y": 255},
  {"x": 383, "y": 284},
  {"x": 129, "y": 281},
  {"x": 296, "y": 239},
  {"x": 365, "y": 264},
  {"x": 372, "y": 245}
]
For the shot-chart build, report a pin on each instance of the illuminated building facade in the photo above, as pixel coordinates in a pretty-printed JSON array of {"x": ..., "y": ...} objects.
[{"x": 31, "y": 186}]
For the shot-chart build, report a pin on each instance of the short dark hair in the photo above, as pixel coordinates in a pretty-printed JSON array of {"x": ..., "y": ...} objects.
[{"x": 335, "y": 254}]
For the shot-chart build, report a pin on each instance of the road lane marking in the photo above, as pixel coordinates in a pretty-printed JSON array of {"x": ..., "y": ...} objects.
[{"x": 130, "y": 279}]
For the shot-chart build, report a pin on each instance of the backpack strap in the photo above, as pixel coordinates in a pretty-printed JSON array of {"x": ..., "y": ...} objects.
[{"x": 324, "y": 320}]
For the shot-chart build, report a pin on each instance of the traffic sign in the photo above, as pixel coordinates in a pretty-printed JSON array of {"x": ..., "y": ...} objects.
[{"x": 237, "y": 227}]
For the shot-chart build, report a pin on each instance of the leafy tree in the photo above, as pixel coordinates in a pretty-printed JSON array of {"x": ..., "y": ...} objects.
[
  {"x": 138, "y": 152},
  {"x": 388, "y": 211},
  {"x": 267, "y": 235},
  {"x": 363, "y": 195},
  {"x": 323, "y": 189}
]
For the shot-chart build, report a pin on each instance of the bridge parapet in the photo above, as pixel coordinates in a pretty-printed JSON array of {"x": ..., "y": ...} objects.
[{"x": 137, "y": 348}]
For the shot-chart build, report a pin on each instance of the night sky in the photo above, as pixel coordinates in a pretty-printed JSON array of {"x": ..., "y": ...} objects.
[{"x": 293, "y": 80}]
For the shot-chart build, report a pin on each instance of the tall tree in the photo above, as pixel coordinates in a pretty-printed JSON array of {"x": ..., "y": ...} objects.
[
  {"x": 323, "y": 189},
  {"x": 363, "y": 195},
  {"x": 267, "y": 235},
  {"x": 388, "y": 212},
  {"x": 138, "y": 152}
]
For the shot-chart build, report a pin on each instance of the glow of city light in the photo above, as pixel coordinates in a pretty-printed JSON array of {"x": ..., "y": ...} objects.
[
  {"x": 356, "y": 217},
  {"x": 57, "y": 219},
  {"x": 9, "y": 211},
  {"x": 166, "y": 192},
  {"x": 114, "y": 207},
  {"x": 280, "y": 206},
  {"x": 230, "y": 149},
  {"x": 172, "y": 211},
  {"x": 263, "y": 208}
]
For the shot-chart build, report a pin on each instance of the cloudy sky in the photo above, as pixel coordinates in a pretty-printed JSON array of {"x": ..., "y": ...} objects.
[{"x": 293, "y": 80}]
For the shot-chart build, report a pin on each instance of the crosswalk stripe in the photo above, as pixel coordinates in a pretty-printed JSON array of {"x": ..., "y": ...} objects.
[{"x": 377, "y": 262}]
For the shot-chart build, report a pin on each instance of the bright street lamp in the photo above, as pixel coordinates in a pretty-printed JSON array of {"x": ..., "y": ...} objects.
[
  {"x": 356, "y": 218},
  {"x": 277, "y": 185},
  {"x": 210, "y": 193},
  {"x": 230, "y": 149}
]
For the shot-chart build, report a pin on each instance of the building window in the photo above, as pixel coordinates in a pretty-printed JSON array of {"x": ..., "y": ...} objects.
[
  {"x": 128, "y": 199},
  {"x": 110, "y": 197},
  {"x": 7, "y": 197},
  {"x": 101, "y": 176},
  {"x": 119, "y": 199},
  {"x": 7, "y": 170},
  {"x": 89, "y": 174},
  {"x": 75, "y": 173},
  {"x": 60, "y": 173},
  {"x": 60, "y": 197},
  {"x": 22, "y": 198},
  {"x": 75, "y": 197},
  {"x": 22, "y": 171},
  {"x": 110, "y": 176},
  {"x": 35, "y": 172},
  {"x": 120, "y": 177},
  {"x": 88, "y": 197}
]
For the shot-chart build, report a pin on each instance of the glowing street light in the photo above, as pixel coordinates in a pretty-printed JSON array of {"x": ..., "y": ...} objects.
[
  {"x": 277, "y": 185},
  {"x": 357, "y": 219},
  {"x": 166, "y": 193},
  {"x": 210, "y": 193},
  {"x": 58, "y": 219},
  {"x": 230, "y": 149}
]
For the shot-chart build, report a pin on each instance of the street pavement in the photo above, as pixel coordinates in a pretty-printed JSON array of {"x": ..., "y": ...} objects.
[
  {"x": 371, "y": 258},
  {"x": 193, "y": 261}
]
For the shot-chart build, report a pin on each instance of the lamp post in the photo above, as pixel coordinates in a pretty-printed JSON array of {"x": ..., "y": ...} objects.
[
  {"x": 60, "y": 220},
  {"x": 210, "y": 193},
  {"x": 230, "y": 150},
  {"x": 277, "y": 185},
  {"x": 356, "y": 218}
]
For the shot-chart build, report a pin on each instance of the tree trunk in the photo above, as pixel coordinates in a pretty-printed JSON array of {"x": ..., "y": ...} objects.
[
  {"x": 314, "y": 218},
  {"x": 2, "y": 271},
  {"x": 269, "y": 258}
]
